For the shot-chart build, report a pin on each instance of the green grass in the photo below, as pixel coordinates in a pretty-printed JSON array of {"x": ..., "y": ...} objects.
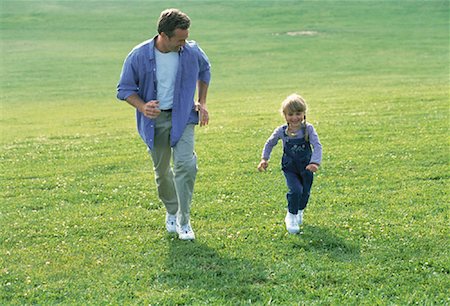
[{"x": 80, "y": 221}]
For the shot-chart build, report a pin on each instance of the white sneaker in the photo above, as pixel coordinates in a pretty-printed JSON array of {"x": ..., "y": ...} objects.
[
  {"x": 185, "y": 232},
  {"x": 291, "y": 223},
  {"x": 300, "y": 217},
  {"x": 171, "y": 223}
]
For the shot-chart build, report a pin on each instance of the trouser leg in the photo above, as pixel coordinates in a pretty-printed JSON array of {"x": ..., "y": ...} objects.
[
  {"x": 306, "y": 181},
  {"x": 295, "y": 191},
  {"x": 161, "y": 155},
  {"x": 185, "y": 171}
]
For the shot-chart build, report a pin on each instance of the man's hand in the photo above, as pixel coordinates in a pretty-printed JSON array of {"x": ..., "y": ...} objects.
[
  {"x": 150, "y": 109},
  {"x": 202, "y": 114}
]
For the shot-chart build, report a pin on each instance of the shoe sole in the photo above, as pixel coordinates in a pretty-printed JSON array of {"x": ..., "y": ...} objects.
[{"x": 186, "y": 238}]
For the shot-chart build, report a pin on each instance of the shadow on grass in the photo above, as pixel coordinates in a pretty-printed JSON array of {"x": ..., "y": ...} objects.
[
  {"x": 203, "y": 274},
  {"x": 324, "y": 241}
]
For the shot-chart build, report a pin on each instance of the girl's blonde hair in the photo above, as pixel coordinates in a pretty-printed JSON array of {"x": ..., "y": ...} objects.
[
  {"x": 292, "y": 104},
  {"x": 295, "y": 103}
]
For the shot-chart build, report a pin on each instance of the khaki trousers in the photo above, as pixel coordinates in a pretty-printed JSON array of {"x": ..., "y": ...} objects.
[{"x": 175, "y": 182}]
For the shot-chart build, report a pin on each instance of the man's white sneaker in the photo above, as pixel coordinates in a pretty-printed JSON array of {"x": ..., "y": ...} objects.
[
  {"x": 300, "y": 217},
  {"x": 185, "y": 232},
  {"x": 291, "y": 223},
  {"x": 171, "y": 223}
]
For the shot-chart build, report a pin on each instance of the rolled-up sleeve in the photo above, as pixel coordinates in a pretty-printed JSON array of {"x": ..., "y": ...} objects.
[
  {"x": 204, "y": 67},
  {"x": 128, "y": 82}
]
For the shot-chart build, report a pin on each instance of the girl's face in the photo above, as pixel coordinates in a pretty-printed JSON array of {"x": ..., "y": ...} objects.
[{"x": 295, "y": 119}]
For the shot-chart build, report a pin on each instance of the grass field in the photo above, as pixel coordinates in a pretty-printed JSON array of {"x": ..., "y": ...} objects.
[{"x": 80, "y": 221}]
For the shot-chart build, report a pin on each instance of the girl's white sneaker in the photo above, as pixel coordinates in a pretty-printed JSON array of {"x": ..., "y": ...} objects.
[
  {"x": 291, "y": 223},
  {"x": 300, "y": 217}
]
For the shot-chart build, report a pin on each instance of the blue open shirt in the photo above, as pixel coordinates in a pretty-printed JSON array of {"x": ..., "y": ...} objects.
[{"x": 139, "y": 77}]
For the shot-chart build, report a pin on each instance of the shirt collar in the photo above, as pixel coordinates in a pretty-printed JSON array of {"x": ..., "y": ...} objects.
[{"x": 152, "y": 48}]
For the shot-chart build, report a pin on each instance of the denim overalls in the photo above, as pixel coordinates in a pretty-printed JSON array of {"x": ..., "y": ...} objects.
[{"x": 296, "y": 156}]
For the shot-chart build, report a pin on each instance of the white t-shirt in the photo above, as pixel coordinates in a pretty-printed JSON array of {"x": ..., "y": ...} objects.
[{"x": 166, "y": 72}]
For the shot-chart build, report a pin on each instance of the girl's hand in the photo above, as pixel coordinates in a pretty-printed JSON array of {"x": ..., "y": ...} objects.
[
  {"x": 312, "y": 167},
  {"x": 263, "y": 164}
]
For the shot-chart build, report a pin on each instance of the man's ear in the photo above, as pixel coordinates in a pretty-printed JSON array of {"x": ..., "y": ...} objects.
[{"x": 163, "y": 35}]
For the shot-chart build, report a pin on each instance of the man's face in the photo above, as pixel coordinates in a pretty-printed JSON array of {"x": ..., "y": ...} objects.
[{"x": 178, "y": 40}]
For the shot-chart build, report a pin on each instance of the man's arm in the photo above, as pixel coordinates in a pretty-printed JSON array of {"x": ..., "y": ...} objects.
[
  {"x": 200, "y": 106},
  {"x": 150, "y": 109}
]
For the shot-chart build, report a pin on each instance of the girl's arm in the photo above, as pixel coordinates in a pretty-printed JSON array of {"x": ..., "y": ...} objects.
[
  {"x": 316, "y": 157},
  {"x": 270, "y": 143}
]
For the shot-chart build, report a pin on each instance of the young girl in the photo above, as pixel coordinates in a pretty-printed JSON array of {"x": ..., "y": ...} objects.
[{"x": 299, "y": 161}]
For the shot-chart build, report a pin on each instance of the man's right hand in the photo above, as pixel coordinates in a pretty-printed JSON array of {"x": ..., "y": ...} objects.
[{"x": 150, "y": 109}]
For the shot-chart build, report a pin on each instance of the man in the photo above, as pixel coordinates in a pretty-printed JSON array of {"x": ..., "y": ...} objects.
[{"x": 159, "y": 78}]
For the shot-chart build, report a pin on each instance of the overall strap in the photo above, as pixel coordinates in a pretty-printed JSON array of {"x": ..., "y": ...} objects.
[
  {"x": 305, "y": 131},
  {"x": 284, "y": 131}
]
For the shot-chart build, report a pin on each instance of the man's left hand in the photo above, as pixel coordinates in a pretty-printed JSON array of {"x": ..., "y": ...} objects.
[{"x": 202, "y": 113}]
